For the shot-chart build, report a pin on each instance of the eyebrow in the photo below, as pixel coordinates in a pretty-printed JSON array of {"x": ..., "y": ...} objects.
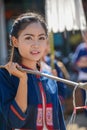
[{"x": 33, "y": 34}]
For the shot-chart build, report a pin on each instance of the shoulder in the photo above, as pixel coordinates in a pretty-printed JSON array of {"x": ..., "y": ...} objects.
[
  {"x": 8, "y": 83},
  {"x": 4, "y": 73},
  {"x": 6, "y": 78}
]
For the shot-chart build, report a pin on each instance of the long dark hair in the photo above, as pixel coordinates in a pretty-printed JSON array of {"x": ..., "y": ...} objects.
[{"x": 20, "y": 24}]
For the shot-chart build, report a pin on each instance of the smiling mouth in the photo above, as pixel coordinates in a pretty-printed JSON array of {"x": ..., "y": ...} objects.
[{"x": 35, "y": 52}]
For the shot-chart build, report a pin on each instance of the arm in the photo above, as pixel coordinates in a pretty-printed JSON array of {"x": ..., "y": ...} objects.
[
  {"x": 21, "y": 96},
  {"x": 13, "y": 101}
]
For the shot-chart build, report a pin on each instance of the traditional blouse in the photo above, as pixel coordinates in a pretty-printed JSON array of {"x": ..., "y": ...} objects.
[{"x": 12, "y": 117}]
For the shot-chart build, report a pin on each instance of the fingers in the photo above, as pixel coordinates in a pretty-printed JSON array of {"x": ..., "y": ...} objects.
[
  {"x": 7, "y": 66},
  {"x": 12, "y": 69},
  {"x": 10, "y": 65}
]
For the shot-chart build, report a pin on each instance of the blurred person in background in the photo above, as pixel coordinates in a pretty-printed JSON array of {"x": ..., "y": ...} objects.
[{"x": 79, "y": 61}]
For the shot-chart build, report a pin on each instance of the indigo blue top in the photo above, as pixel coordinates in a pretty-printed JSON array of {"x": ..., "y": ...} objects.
[{"x": 11, "y": 116}]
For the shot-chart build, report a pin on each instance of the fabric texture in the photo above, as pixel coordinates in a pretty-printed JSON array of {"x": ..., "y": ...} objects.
[{"x": 12, "y": 117}]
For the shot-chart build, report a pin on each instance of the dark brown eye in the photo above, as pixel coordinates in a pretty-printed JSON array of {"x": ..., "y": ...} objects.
[
  {"x": 28, "y": 38},
  {"x": 42, "y": 38}
]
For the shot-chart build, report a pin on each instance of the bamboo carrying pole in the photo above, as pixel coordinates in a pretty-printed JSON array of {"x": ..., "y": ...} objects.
[
  {"x": 72, "y": 83},
  {"x": 80, "y": 85}
]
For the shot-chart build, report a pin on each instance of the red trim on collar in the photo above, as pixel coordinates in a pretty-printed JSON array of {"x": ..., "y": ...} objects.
[
  {"x": 24, "y": 66},
  {"x": 38, "y": 76}
]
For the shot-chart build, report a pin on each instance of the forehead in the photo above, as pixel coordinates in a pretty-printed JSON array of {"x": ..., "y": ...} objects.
[{"x": 33, "y": 28}]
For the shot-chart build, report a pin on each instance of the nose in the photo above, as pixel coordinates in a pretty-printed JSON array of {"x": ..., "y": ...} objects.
[{"x": 35, "y": 43}]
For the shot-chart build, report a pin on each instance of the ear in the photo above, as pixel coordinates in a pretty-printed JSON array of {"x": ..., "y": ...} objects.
[{"x": 14, "y": 41}]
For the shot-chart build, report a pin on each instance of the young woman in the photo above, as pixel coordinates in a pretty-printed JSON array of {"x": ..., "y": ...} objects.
[{"x": 27, "y": 101}]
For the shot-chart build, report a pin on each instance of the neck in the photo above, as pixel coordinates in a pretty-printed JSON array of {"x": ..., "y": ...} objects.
[{"x": 29, "y": 65}]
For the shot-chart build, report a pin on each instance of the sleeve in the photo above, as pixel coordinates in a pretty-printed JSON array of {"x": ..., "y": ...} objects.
[
  {"x": 16, "y": 117},
  {"x": 8, "y": 106},
  {"x": 77, "y": 54}
]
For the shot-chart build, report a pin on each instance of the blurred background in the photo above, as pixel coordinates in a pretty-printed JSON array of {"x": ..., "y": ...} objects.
[
  {"x": 65, "y": 42},
  {"x": 64, "y": 45}
]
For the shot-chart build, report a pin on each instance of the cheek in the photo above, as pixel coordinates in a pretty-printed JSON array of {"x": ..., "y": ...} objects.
[
  {"x": 44, "y": 47},
  {"x": 23, "y": 50}
]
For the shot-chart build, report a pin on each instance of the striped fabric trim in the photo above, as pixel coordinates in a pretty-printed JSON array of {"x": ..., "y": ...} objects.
[{"x": 16, "y": 113}]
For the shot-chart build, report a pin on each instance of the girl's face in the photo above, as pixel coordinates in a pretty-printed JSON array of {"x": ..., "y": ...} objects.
[{"x": 31, "y": 43}]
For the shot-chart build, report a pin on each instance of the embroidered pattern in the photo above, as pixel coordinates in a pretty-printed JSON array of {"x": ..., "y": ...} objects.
[
  {"x": 39, "y": 116},
  {"x": 49, "y": 118}
]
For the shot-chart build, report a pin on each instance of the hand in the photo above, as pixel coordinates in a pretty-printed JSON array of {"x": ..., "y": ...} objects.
[{"x": 12, "y": 69}]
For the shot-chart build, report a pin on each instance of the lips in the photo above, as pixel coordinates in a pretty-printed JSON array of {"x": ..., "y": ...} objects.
[{"x": 34, "y": 52}]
